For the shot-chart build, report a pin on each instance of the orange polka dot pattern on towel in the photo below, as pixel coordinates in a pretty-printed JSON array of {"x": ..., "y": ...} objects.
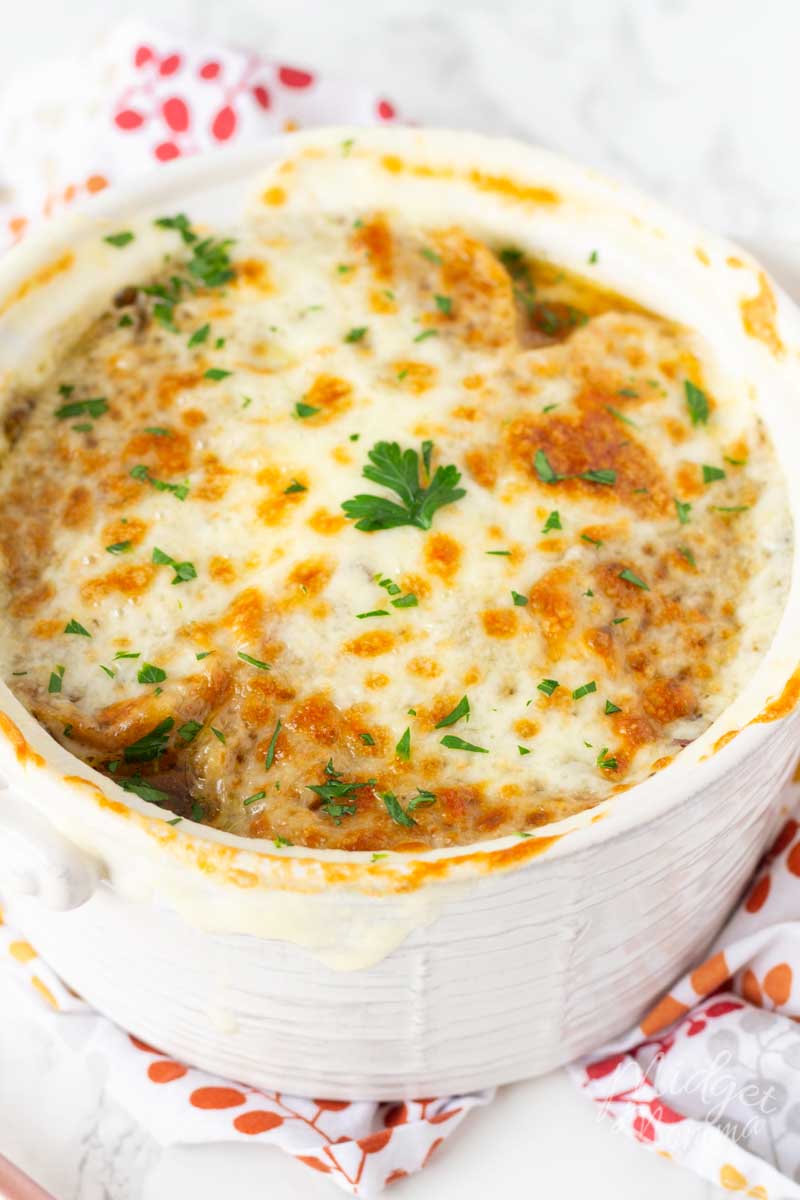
[{"x": 711, "y": 1075}]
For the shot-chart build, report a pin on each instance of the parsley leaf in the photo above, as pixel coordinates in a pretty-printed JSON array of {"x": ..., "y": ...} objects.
[
  {"x": 403, "y": 816},
  {"x": 184, "y": 571},
  {"x": 455, "y": 714},
  {"x": 399, "y": 470},
  {"x": 144, "y": 790},
  {"x": 519, "y": 600},
  {"x": 696, "y": 402},
  {"x": 403, "y": 747},
  {"x": 151, "y": 674},
  {"x": 151, "y": 744},
  {"x": 273, "y": 741},
  {"x": 77, "y": 408},
  {"x": 119, "y": 239},
  {"x": 73, "y": 626},
  {"x": 335, "y": 790},
  {"x": 254, "y": 662},
  {"x": 710, "y": 474},
  {"x": 456, "y": 743},
  {"x": 629, "y": 577},
  {"x": 119, "y": 548},
  {"x": 682, "y": 508},
  {"x": 548, "y": 686},
  {"x": 356, "y": 334},
  {"x": 179, "y": 490},
  {"x": 55, "y": 679},
  {"x": 584, "y": 690},
  {"x": 553, "y": 522},
  {"x": 189, "y": 731}
]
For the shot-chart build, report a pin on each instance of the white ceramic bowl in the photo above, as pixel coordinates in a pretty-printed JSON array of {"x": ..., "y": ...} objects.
[{"x": 323, "y": 972}]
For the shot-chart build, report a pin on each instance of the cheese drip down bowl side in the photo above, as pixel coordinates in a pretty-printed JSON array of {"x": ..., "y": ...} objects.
[{"x": 328, "y": 972}]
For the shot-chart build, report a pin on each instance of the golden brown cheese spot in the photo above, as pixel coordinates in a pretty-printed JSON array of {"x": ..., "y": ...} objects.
[
  {"x": 169, "y": 454},
  {"x": 374, "y": 238},
  {"x": 329, "y": 394},
  {"x": 172, "y": 384},
  {"x": 416, "y": 377},
  {"x": 221, "y": 569},
  {"x": 442, "y": 555},
  {"x": 382, "y": 301},
  {"x": 326, "y": 523},
  {"x": 27, "y": 602},
  {"x": 550, "y": 603},
  {"x": 193, "y": 417},
  {"x": 425, "y": 668},
  {"x": 131, "y": 580},
  {"x": 312, "y": 575},
  {"x": 372, "y": 644},
  {"x": 499, "y": 622},
  {"x": 78, "y": 507},
  {"x": 482, "y": 466},
  {"x": 48, "y": 629},
  {"x": 759, "y": 316},
  {"x": 131, "y": 529},
  {"x": 216, "y": 479},
  {"x": 246, "y": 616},
  {"x": 254, "y": 273},
  {"x": 665, "y": 700},
  {"x": 589, "y": 440},
  {"x": 526, "y": 728},
  {"x": 482, "y": 304}
]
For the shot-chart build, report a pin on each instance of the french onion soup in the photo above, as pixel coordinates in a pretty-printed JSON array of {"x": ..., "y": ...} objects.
[{"x": 365, "y": 532}]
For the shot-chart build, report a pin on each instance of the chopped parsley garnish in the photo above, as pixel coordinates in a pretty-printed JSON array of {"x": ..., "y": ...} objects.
[
  {"x": 157, "y": 431},
  {"x": 444, "y": 304},
  {"x": 553, "y": 521},
  {"x": 547, "y": 474},
  {"x": 455, "y": 714},
  {"x": 403, "y": 816},
  {"x": 303, "y": 410},
  {"x": 119, "y": 547},
  {"x": 605, "y": 761},
  {"x": 682, "y": 508},
  {"x": 144, "y": 790},
  {"x": 199, "y": 335},
  {"x": 293, "y": 487},
  {"x": 710, "y": 474},
  {"x": 175, "y": 821},
  {"x": 111, "y": 674},
  {"x": 374, "y": 612},
  {"x": 499, "y": 553},
  {"x": 593, "y": 257},
  {"x": 125, "y": 320},
  {"x": 619, "y": 620},
  {"x": 456, "y": 743},
  {"x": 189, "y": 731},
  {"x": 403, "y": 747},
  {"x": 523, "y": 750},
  {"x": 548, "y": 686},
  {"x": 198, "y": 811},
  {"x": 686, "y": 552},
  {"x": 730, "y": 508},
  {"x": 151, "y": 745},
  {"x": 119, "y": 239},
  {"x": 216, "y": 374},
  {"x": 127, "y": 654},
  {"x": 584, "y": 690},
  {"x": 201, "y": 654},
  {"x": 336, "y": 790},
  {"x": 696, "y": 402},
  {"x": 426, "y": 333},
  {"x": 611, "y": 707},
  {"x": 356, "y": 334},
  {"x": 141, "y": 472},
  {"x": 629, "y": 577},
  {"x": 218, "y": 734},
  {"x": 55, "y": 680},
  {"x": 281, "y": 841},
  {"x": 407, "y": 601},
  {"x": 519, "y": 600},
  {"x": 621, "y": 416},
  {"x": 629, "y": 393},
  {"x": 255, "y": 796},
  {"x": 431, "y": 255},
  {"x": 604, "y": 476},
  {"x": 78, "y": 408},
  {"x": 367, "y": 739},
  {"x": 184, "y": 571},
  {"x": 592, "y": 541},
  {"x": 273, "y": 741},
  {"x": 73, "y": 626},
  {"x": 254, "y": 662},
  {"x": 151, "y": 674},
  {"x": 399, "y": 470}
]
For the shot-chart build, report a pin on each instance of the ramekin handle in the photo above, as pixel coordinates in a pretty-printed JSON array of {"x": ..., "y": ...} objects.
[{"x": 37, "y": 860}]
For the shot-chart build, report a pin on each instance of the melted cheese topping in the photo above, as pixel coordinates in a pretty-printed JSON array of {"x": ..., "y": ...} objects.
[{"x": 177, "y": 565}]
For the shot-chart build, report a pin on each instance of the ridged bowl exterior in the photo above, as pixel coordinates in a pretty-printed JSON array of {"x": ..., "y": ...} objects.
[{"x": 523, "y": 972}]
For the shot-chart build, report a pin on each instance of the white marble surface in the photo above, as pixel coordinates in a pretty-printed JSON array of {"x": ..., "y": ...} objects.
[{"x": 696, "y": 100}]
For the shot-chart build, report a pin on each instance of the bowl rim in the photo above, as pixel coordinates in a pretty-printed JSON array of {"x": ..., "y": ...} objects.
[{"x": 694, "y": 768}]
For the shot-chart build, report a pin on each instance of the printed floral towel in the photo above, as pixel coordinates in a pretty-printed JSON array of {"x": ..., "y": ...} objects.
[
  {"x": 143, "y": 97},
  {"x": 711, "y": 1076}
]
